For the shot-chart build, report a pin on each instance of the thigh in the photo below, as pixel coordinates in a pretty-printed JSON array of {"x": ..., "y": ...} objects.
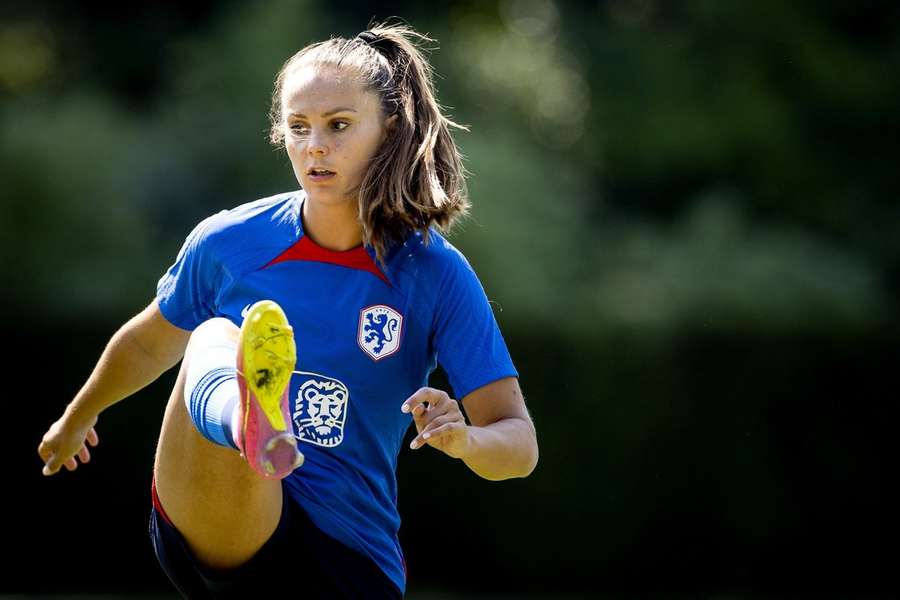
[
  {"x": 224, "y": 510},
  {"x": 298, "y": 560}
]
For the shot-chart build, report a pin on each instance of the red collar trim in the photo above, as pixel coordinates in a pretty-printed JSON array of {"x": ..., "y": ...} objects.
[{"x": 306, "y": 249}]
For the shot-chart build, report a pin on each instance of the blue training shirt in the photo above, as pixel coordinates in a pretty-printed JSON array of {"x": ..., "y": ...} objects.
[{"x": 367, "y": 339}]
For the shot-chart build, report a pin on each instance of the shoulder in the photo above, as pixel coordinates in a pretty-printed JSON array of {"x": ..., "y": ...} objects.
[
  {"x": 272, "y": 211},
  {"x": 430, "y": 268},
  {"x": 436, "y": 256},
  {"x": 266, "y": 220}
]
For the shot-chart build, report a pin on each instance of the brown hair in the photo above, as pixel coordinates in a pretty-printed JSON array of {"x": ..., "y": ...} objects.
[{"x": 416, "y": 179}]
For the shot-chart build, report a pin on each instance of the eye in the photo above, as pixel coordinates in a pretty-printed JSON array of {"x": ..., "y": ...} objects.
[
  {"x": 298, "y": 129},
  {"x": 339, "y": 125}
]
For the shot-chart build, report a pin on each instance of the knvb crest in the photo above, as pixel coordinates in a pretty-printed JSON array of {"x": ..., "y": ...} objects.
[
  {"x": 320, "y": 409},
  {"x": 380, "y": 327}
]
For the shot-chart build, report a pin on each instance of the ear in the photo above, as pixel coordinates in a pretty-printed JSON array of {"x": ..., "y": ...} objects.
[{"x": 389, "y": 124}]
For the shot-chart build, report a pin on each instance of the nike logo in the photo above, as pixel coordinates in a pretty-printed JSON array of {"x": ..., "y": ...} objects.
[{"x": 245, "y": 311}]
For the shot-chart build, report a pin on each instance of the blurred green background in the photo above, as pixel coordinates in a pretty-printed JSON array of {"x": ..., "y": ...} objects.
[{"x": 686, "y": 215}]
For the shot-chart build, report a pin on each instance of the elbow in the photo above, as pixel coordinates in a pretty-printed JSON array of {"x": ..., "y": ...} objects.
[
  {"x": 534, "y": 461},
  {"x": 519, "y": 471},
  {"x": 532, "y": 458},
  {"x": 529, "y": 455},
  {"x": 533, "y": 452},
  {"x": 517, "y": 460},
  {"x": 519, "y": 468}
]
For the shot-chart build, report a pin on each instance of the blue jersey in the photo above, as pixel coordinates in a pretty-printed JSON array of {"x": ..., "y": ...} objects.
[{"x": 367, "y": 339}]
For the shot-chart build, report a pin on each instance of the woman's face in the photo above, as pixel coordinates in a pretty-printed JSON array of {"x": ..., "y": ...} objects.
[{"x": 333, "y": 127}]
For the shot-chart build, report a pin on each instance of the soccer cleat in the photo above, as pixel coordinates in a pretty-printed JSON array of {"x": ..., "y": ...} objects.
[{"x": 265, "y": 361}]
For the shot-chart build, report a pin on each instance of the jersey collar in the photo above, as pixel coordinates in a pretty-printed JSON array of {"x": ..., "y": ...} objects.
[{"x": 361, "y": 258}]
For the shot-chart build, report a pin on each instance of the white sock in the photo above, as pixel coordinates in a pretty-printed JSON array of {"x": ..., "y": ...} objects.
[{"x": 211, "y": 389}]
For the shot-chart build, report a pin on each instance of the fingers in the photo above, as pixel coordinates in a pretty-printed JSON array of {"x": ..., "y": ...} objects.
[
  {"x": 424, "y": 395},
  {"x": 453, "y": 439},
  {"x": 448, "y": 430},
  {"x": 51, "y": 466},
  {"x": 427, "y": 404},
  {"x": 45, "y": 451},
  {"x": 439, "y": 421},
  {"x": 433, "y": 431},
  {"x": 410, "y": 404},
  {"x": 52, "y": 457}
]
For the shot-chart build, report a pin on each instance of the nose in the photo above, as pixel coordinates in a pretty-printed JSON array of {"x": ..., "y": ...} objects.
[{"x": 317, "y": 145}]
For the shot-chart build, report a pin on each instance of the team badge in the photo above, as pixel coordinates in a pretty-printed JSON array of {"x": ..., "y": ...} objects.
[
  {"x": 320, "y": 409},
  {"x": 379, "y": 331}
]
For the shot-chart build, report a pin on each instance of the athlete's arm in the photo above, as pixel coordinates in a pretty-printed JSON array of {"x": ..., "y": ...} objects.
[
  {"x": 501, "y": 441},
  {"x": 502, "y": 437},
  {"x": 136, "y": 355}
]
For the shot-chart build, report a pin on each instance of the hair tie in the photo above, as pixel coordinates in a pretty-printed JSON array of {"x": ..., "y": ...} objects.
[
  {"x": 368, "y": 37},
  {"x": 380, "y": 44}
]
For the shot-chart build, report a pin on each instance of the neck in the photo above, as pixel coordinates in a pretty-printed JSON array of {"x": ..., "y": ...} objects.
[{"x": 333, "y": 227}]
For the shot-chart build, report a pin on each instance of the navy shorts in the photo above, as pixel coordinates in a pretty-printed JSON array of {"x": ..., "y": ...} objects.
[{"x": 305, "y": 562}]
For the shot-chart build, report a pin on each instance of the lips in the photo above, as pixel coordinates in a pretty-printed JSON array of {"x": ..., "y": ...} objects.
[{"x": 319, "y": 175}]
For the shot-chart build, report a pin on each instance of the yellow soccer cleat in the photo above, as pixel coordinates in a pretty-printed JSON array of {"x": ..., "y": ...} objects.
[{"x": 265, "y": 362}]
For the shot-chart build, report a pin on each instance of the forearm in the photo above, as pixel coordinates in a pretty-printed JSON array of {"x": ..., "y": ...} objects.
[
  {"x": 502, "y": 450},
  {"x": 125, "y": 367}
]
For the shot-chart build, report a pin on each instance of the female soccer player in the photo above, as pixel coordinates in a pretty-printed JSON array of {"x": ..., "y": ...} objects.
[{"x": 354, "y": 265}]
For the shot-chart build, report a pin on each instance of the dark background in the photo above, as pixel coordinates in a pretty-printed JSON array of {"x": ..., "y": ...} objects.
[{"x": 686, "y": 214}]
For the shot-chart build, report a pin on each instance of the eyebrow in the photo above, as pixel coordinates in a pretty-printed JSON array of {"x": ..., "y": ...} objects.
[{"x": 333, "y": 111}]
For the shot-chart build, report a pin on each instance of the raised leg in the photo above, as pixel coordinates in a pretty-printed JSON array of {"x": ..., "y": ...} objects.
[{"x": 221, "y": 506}]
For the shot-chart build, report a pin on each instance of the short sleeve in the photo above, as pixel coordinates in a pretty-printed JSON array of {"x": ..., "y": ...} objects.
[
  {"x": 186, "y": 293},
  {"x": 467, "y": 338}
]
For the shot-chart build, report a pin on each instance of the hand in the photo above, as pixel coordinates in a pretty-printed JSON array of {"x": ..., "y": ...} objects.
[
  {"x": 440, "y": 423},
  {"x": 66, "y": 438}
]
